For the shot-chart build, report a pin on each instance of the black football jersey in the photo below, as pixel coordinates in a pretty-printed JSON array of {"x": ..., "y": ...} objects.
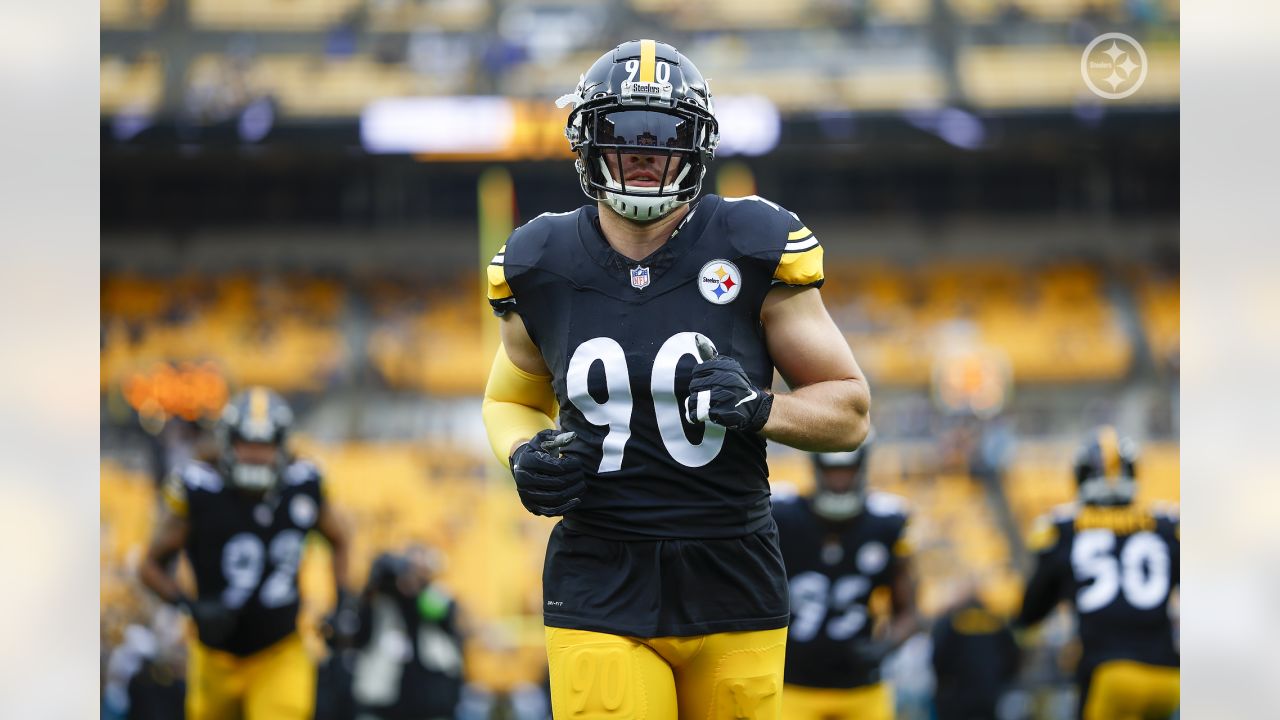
[
  {"x": 245, "y": 551},
  {"x": 1118, "y": 567},
  {"x": 618, "y": 337},
  {"x": 831, "y": 572}
]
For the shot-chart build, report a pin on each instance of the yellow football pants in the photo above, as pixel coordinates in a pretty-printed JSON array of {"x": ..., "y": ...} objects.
[
  {"x": 871, "y": 702},
  {"x": 277, "y": 683},
  {"x": 729, "y": 676},
  {"x": 1127, "y": 690}
]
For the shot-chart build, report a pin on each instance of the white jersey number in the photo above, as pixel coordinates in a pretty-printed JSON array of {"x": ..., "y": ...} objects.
[
  {"x": 244, "y": 559},
  {"x": 1140, "y": 572},
  {"x": 813, "y": 595},
  {"x": 616, "y": 410}
]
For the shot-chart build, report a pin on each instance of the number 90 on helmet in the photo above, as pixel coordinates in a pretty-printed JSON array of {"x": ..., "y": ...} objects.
[{"x": 642, "y": 98}]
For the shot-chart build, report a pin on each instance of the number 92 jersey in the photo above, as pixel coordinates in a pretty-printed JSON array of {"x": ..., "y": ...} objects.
[
  {"x": 831, "y": 573},
  {"x": 618, "y": 337},
  {"x": 1118, "y": 566},
  {"x": 245, "y": 551}
]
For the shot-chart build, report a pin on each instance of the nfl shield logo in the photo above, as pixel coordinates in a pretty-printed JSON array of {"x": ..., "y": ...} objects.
[{"x": 639, "y": 277}]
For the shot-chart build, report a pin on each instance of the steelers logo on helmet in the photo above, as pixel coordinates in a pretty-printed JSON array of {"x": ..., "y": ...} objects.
[
  {"x": 643, "y": 128},
  {"x": 720, "y": 282}
]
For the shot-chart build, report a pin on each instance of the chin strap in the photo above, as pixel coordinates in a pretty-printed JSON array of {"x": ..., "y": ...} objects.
[{"x": 633, "y": 204}]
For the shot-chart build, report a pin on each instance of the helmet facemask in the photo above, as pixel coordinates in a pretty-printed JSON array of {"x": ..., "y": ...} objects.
[
  {"x": 617, "y": 140},
  {"x": 841, "y": 485},
  {"x": 256, "y": 422}
]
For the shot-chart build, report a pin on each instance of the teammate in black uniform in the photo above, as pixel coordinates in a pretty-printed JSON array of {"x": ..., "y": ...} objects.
[
  {"x": 1117, "y": 564},
  {"x": 242, "y": 523},
  {"x": 840, "y": 545},
  {"x": 650, "y": 323}
]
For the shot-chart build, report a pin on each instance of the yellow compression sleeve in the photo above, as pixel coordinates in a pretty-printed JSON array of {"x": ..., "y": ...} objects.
[{"x": 516, "y": 406}]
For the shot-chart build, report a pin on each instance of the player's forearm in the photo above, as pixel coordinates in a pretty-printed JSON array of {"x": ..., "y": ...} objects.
[
  {"x": 517, "y": 405},
  {"x": 827, "y": 416},
  {"x": 155, "y": 579},
  {"x": 902, "y": 627}
]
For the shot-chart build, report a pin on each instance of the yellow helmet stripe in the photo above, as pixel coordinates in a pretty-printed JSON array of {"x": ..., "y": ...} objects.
[
  {"x": 648, "y": 60},
  {"x": 259, "y": 402},
  {"x": 1109, "y": 445}
]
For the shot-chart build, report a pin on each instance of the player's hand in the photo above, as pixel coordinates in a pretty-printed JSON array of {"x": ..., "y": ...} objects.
[
  {"x": 549, "y": 483},
  {"x": 214, "y": 621},
  {"x": 721, "y": 392},
  {"x": 341, "y": 626}
]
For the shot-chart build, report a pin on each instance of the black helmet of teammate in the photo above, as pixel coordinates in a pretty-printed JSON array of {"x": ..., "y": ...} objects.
[
  {"x": 840, "y": 482},
  {"x": 256, "y": 415},
  {"x": 1105, "y": 468},
  {"x": 642, "y": 97}
]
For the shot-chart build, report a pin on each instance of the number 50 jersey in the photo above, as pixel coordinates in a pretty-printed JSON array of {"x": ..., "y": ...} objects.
[
  {"x": 1118, "y": 566},
  {"x": 618, "y": 337}
]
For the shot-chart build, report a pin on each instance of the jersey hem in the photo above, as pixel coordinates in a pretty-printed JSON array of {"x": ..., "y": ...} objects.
[{"x": 685, "y": 630}]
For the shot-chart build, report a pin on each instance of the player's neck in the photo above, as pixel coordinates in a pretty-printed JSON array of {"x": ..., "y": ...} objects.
[{"x": 638, "y": 240}]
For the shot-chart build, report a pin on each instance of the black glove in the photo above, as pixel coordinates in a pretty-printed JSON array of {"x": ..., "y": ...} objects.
[
  {"x": 548, "y": 482},
  {"x": 721, "y": 392},
  {"x": 340, "y": 627},
  {"x": 214, "y": 621}
]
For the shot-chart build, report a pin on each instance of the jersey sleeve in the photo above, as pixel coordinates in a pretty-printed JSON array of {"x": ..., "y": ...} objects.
[
  {"x": 174, "y": 494},
  {"x": 1045, "y": 587},
  {"x": 501, "y": 297},
  {"x": 306, "y": 474},
  {"x": 800, "y": 264}
]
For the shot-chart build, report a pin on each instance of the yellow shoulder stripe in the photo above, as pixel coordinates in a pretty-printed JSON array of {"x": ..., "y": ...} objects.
[
  {"x": 1043, "y": 536},
  {"x": 498, "y": 287},
  {"x": 803, "y": 232},
  {"x": 800, "y": 268},
  {"x": 648, "y": 60}
]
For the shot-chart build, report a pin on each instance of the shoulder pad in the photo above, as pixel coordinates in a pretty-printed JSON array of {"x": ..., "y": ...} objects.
[
  {"x": 301, "y": 472},
  {"x": 883, "y": 504},
  {"x": 1044, "y": 534},
  {"x": 197, "y": 475},
  {"x": 764, "y": 229},
  {"x": 522, "y": 251},
  {"x": 756, "y": 226},
  {"x": 1065, "y": 512}
]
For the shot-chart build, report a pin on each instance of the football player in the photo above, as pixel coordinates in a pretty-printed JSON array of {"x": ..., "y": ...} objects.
[
  {"x": 242, "y": 522},
  {"x": 840, "y": 545},
  {"x": 1117, "y": 564},
  {"x": 649, "y": 324}
]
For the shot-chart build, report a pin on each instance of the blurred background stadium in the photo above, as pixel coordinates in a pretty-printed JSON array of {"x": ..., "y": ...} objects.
[{"x": 302, "y": 193}]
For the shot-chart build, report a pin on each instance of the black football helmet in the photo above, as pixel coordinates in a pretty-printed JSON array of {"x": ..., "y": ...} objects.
[
  {"x": 1106, "y": 468},
  {"x": 642, "y": 97},
  {"x": 255, "y": 415},
  {"x": 840, "y": 482}
]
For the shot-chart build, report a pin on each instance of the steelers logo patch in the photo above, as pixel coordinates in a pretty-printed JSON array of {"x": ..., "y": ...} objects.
[
  {"x": 719, "y": 282},
  {"x": 872, "y": 558},
  {"x": 303, "y": 511}
]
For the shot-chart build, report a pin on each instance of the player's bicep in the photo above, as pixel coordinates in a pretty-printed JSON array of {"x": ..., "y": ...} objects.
[
  {"x": 330, "y": 524},
  {"x": 521, "y": 350},
  {"x": 803, "y": 340},
  {"x": 169, "y": 536}
]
